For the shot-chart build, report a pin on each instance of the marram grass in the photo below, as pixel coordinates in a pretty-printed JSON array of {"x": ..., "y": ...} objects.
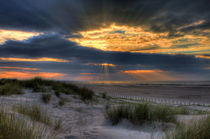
[
  {"x": 12, "y": 127},
  {"x": 139, "y": 113},
  {"x": 35, "y": 112},
  {"x": 197, "y": 130}
]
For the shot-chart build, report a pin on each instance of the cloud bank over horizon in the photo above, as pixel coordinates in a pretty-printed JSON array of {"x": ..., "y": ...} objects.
[{"x": 107, "y": 40}]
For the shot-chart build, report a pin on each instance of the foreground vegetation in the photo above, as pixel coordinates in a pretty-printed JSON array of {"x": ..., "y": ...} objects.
[
  {"x": 197, "y": 130},
  {"x": 12, "y": 127},
  {"x": 46, "y": 98},
  {"x": 14, "y": 86},
  {"x": 10, "y": 89},
  {"x": 140, "y": 113},
  {"x": 35, "y": 112}
]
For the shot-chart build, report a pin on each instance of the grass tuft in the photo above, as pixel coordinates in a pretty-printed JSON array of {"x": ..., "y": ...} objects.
[
  {"x": 34, "y": 112},
  {"x": 12, "y": 127},
  {"x": 139, "y": 113},
  {"x": 197, "y": 130}
]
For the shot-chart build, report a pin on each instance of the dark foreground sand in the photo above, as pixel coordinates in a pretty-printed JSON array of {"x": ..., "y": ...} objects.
[{"x": 183, "y": 91}]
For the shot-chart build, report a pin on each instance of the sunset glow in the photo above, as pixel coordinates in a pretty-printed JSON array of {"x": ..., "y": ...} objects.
[
  {"x": 18, "y": 68},
  {"x": 141, "y": 71},
  {"x": 202, "y": 56},
  {"x": 103, "y": 64},
  {"x": 150, "y": 75},
  {"x": 137, "y": 39},
  {"x": 106, "y": 40},
  {"x": 27, "y": 75},
  {"x": 42, "y": 59},
  {"x": 15, "y": 35}
]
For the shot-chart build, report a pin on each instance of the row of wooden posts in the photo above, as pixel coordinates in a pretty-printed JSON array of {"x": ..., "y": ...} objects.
[{"x": 161, "y": 100}]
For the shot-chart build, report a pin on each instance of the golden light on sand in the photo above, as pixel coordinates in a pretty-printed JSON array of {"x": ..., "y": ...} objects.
[
  {"x": 27, "y": 74},
  {"x": 137, "y": 39},
  {"x": 41, "y": 59},
  {"x": 19, "y": 68},
  {"x": 16, "y": 35}
]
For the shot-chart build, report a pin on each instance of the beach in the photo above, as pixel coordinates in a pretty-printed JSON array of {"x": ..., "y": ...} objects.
[{"x": 197, "y": 92}]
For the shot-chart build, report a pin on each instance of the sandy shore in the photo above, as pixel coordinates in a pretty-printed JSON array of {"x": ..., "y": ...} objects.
[{"x": 199, "y": 92}]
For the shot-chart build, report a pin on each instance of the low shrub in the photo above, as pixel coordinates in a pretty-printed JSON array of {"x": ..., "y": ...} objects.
[
  {"x": 46, "y": 98},
  {"x": 10, "y": 89},
  {"x": 39, "y": 88},
  {"x": 86, "y": 94},
  {"x": 64, "y": 88},
  {"x": 10, "y": 86},
  {"x": 57, "y": 93},
  {"x": 61, "y": 101},
  {"x": 9, "y": 81},
  {"x": 104, "y": 95},
  {"x": 37, "y": 84}
]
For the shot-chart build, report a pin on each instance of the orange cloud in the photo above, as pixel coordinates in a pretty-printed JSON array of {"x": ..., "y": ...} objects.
[
  {"x": 202, "y": 56},
  {"x": 139, "y": 39},
  {"x": 141, "y": 71},
  {"x": 16, "y": 35},
  {"x": 42, "y": 59},
  {"x": 102, "y": 64},
  {"x": 21, "y": 68},
  {"x": 26, "y": 75},
  {"x": 149, "y": 75},
  {"x": 109, "y": 39},
  {"x": 192, "y": 24}
]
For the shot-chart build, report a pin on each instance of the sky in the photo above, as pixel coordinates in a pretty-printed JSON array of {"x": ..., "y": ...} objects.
[{"x": 105, "y": 40}]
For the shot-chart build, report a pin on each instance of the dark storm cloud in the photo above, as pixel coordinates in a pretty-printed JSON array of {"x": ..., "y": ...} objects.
[
  {"x": 57, "y": 47},
  {"x": 71, "y": 15},
  {"x": 63, "y": 17}
]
